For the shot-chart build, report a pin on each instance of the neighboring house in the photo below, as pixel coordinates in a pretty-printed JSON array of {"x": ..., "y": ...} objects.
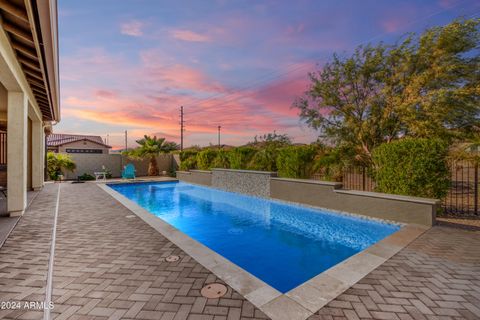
[
  {"x": 29, "y": 93},
  {"x": 74, "y": 143}
]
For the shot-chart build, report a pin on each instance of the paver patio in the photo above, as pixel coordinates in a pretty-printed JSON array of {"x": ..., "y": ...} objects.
[{"x": 110, "y": 265}]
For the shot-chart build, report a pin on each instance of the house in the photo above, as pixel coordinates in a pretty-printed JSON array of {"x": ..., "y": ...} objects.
[
  {"x": 29, "y": 93},
  {"x": 74, "y": 143}
]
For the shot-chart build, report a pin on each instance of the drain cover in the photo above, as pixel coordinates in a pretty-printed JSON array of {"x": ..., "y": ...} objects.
[
  {"x": 172, "y": 258},
  {"x": 214, "y": 290}
]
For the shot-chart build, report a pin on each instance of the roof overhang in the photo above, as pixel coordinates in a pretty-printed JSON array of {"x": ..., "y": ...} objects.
[{"x": 32, "y": 28}]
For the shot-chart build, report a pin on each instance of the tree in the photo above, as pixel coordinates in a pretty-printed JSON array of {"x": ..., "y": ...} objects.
[
  {"x": 150, "y": 148},
  {"x": 344, "y": 102},
  {"x": 434, "y": 82},
  {"x": 271, "y": 138},
  {"x": 57, "y": 163},
  {"x": 426, "y": 86},
  {"x": 268, "y": 146}
]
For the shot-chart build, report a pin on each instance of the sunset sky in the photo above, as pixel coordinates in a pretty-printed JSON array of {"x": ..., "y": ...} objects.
[{"x": 130, "y": 65}]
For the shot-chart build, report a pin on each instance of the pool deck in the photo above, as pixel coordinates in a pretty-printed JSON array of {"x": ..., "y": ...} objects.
[{"x": 109, "y": 264}]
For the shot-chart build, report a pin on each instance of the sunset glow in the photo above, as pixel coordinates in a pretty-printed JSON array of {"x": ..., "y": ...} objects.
[{"x": 130, "y": 65}]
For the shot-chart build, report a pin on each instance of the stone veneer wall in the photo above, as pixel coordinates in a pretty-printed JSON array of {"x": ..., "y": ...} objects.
[{"x": 255, "y": 183}]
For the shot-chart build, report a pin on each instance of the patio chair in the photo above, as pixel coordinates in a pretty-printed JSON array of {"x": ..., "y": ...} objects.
[{"x": 128, "y": 172}]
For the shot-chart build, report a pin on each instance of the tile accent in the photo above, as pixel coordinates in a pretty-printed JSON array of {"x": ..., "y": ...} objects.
[{"x": 255, "y": 183}]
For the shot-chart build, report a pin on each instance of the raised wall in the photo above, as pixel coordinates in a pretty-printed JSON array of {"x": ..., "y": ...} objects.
[
  {"x": 376, "y": 205},
  {"x": 323, "y": 194},
  {"x": 196, "y": 176}
]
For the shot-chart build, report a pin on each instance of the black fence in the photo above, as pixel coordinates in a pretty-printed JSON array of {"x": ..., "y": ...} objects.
[{"x": 462, "y": 198}]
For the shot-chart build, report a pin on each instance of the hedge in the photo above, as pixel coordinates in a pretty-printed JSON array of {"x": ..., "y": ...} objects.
[
  {"x": 415, "y": 167},
  {"x": 205, "y": 159},
  {"x": 296, "y": 161},
  {"x": 240, "y": 157}
]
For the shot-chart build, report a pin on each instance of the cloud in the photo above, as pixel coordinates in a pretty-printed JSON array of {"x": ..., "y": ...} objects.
[
  {"x": 144, "y": 96},
  {"x": 132, "y": 28},
  {"x": 188, "y": 35},
  {"x": 393, "y": 24}
]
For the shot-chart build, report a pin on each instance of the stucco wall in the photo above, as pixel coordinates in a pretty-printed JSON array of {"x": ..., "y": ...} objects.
[
  {"x": 196, "y": 176},
  {"x": 377, "y": 205},
  {"x": 256, "y": 183},
  {"x": 90, "y": 163}
]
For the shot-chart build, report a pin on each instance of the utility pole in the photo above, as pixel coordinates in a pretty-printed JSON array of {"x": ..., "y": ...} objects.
[
  {"x": 126, "y": 143},
  {"x": 182, "y": 128},
  {"x": 219, "y": 127}
]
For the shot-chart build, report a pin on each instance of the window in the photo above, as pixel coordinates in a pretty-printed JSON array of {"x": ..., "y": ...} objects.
[{"x": 69, "y": 150}]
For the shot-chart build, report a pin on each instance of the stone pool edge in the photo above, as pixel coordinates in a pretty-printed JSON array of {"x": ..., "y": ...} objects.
[{"x": 300, "y": 302}]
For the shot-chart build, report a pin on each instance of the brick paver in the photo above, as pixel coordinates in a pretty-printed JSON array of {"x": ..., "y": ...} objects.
[
  {"x": 435, "y": 277},
  {"x": 110, "y": 265},
  {"x": 24, "y": 257}
]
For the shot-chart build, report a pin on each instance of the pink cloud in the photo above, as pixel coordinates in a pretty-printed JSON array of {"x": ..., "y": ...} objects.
[
  {"x": 188, "y": 35},
  {"x": 144, "y": 97},
  {"x": 393, "y": 24},
  {"x": 105, "y": 93},
  {"x": 278, "y": 97},
  {"x": 132, "y": 28},
  {"x": 176, "y": 76}
]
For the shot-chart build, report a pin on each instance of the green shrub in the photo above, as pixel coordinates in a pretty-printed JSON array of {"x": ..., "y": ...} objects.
[
  {"x": 188, "y": 159},
  {"x": 265, "y": 159},
  {"x": 331, "y": 162},
  {"x": 221, "y": 160},
  {"x": 184, "y": 155},
  {"x": 188, "y": 164},
  {"x": 57, "y": 163},
  {"x": 296, "y": 161},
  {"x": 415, "y": 167},
  {"x": 240, "y": 157},
  {"x": 205, "y": 159},
  {"x": 86, "y": 177}
]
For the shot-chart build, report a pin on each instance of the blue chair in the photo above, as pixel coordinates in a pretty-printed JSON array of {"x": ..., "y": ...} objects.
[{"x": 128, "y": 172}]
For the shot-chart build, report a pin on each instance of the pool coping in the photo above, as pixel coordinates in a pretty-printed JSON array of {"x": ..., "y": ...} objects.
[{"x": 298, "y": 303}]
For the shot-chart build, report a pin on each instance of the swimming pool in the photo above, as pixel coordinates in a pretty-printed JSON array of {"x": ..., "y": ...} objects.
[{"x": 280, "y": 243}]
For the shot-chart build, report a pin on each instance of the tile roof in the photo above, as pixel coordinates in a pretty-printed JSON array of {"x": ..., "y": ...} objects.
[{"x": 58, "y": 139}]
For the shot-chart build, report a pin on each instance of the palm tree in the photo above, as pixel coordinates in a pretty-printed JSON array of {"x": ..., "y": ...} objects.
[
  {"x": 150, "y": 148},
  {"x": 57, "y": 162}
]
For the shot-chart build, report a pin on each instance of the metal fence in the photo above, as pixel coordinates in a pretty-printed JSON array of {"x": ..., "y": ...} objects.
[{"x": 462, "y": 197}]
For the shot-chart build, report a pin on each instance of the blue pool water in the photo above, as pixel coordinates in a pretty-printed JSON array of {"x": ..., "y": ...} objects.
[{"x": 282, "y": 244}]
